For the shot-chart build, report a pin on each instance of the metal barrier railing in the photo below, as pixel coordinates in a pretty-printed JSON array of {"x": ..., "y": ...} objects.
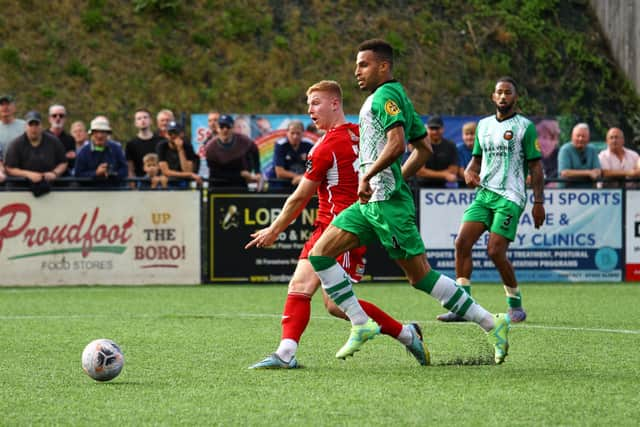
[{"x": 68, "y": 183}]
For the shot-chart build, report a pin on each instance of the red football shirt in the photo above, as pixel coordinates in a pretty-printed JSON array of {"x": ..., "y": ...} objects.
[{"x": 333, "y": 161}]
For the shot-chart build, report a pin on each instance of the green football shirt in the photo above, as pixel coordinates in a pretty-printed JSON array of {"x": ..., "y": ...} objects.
[
  {"x": 388, "y": 106},
  {"x": 506, "y": 148}
]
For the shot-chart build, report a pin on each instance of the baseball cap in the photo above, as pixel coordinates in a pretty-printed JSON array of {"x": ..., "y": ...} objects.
[
  {"x": 226, "y": 120},
  {"x": 6, "y": 97},
  {"x": 100, "y": 123},
  {"x": 32, "y": 116},
  {"x": 435, "y": 121},
  {"x": 174, "y": 126}
]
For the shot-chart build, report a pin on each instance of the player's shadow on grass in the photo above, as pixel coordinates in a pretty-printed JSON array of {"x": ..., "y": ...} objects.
[
  {"x": 466, "y": 361},
  {"x": 122, "y": 383}
]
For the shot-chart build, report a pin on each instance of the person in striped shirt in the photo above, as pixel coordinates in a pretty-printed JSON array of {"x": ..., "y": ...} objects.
[{"x": 505, "y": 151}]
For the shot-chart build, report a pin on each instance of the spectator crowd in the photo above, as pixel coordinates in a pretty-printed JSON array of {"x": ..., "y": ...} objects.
[
  {"x": 38, "y": 155},
  {"x": 578, "y": 163}
]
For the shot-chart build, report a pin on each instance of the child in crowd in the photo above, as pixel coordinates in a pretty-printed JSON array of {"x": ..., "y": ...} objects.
[
  {"x": 152, "y": 171},
  {"x": 465, "y": 147}
]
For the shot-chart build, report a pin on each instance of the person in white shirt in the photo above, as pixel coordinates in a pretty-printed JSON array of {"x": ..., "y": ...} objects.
[{"x": 617, "y": 162}]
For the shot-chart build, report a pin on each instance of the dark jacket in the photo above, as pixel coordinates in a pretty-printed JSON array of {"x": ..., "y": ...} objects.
[{"x": 88, "y": 160}]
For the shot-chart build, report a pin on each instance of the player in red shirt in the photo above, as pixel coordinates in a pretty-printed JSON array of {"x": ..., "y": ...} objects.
[{"x": 332, "y": 172}]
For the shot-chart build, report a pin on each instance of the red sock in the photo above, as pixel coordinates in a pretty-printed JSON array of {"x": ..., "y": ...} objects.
[
  {"x": 295, "y": 316},
  {"x": 388, "y": 325}
]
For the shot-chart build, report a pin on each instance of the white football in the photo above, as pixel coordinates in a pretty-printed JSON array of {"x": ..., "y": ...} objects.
[{"x": 102, "y": 359}]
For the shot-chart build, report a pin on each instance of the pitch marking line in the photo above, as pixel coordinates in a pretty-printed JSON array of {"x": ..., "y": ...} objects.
[
  {"x": 568, "y": 328},
  {"x": 278, "y": 316}
]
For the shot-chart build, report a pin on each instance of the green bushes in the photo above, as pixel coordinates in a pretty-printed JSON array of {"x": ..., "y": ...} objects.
[{"x": 259, "y": 57}]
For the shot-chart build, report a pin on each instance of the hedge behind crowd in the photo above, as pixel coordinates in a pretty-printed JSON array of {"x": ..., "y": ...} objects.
[{"x": 111, "y": 57}]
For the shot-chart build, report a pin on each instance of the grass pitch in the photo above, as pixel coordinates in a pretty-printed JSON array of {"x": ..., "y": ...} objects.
[{"x": 574, "y": 362}]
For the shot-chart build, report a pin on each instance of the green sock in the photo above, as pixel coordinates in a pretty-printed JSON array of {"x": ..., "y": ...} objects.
[
  {"x": 452, "y": 296},
  {"x": 320, "y": 263},
  {"x": 427, "y": 283},
  {"x": 515, "y": 302},
  {"x": 336, "y": 283}
]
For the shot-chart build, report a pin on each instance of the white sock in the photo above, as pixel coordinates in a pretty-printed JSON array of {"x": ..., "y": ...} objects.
[
  {"x": 354, "y": 311},
  {"x": 482, "y": 317},
  {"x": 405, "y": 336},
  {"x": 454, "y": 298},
  {"x": 287, "y": 349},
  {"x": 336, "y": 282},
  {"x": 444, "y": 289}
]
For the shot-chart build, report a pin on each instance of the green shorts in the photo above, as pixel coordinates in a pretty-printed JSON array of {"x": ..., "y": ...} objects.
[
  {"x": 499, "y": 215},
  {"x": 391, "y": 222}
]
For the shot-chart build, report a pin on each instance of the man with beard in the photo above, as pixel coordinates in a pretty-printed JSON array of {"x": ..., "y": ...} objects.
[
  {"x": 331, "y": 174},
  {"x": 385, "y": 210},
  {"x": 505, "y": 149}
]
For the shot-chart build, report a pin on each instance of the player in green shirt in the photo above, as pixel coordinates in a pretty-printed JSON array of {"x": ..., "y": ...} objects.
[
  {"x": 505, "y": 150},
  {"x": 385, "y": 210}
]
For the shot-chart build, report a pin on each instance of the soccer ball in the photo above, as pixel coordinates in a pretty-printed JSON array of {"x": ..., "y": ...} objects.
[{"x": 102, "y": 359}]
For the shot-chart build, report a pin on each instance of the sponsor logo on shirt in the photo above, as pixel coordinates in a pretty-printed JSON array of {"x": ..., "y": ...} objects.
[
  {"x": 508, "y": 135},
  {"x": 391, "y": 108}
]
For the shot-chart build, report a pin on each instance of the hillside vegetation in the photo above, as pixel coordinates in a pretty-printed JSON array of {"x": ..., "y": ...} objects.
[{"x": 111, "y": 57}]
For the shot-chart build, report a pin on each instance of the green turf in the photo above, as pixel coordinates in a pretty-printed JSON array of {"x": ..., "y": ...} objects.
[{"x": 574, "y": 362}]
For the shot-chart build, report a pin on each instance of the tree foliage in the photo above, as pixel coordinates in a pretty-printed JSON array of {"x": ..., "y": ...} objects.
[{"x": 111, "y": 57}]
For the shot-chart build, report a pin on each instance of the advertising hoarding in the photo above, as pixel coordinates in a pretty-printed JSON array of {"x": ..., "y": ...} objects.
[
  {"x": 106, "y": 237},
  {"x": 233, "y": 217},
  {"x": 580, "y": 241},
  {"x": 632, "y": 236}
]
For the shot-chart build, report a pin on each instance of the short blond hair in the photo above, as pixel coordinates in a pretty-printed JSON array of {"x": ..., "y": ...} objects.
[
  {"x": 469, "y": 126},
  {"x": 167, "y": 112},
  {"x": 150, "y": 157},
  {"x": 78, "y": 123},
  {"x": 330, "y": 86}
]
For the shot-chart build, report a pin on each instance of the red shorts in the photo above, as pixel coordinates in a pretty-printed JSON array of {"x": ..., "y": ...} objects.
[{"x": 352, "y": 261}]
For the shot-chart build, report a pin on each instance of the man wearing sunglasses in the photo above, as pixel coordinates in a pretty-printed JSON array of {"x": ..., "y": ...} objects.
[{"x": 57, "y": 116}]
